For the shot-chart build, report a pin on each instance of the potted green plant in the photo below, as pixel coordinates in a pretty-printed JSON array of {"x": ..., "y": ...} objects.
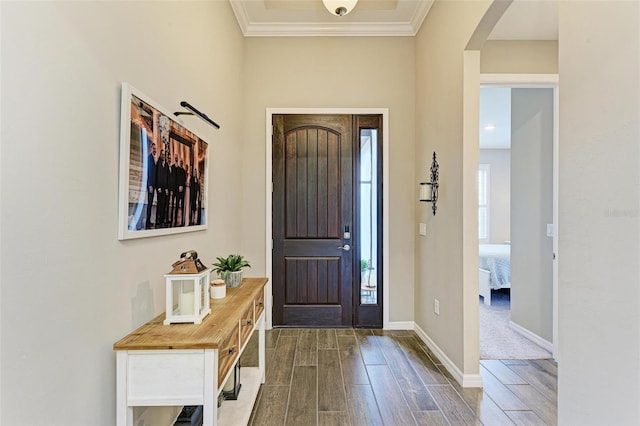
[
  {"x": 365, "y": 271},
  {"x": 364, "y": 264},
  {"x": 230, "y": 269}
]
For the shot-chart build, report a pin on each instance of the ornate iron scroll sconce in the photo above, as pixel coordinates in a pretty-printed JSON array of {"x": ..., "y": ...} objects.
[{"x": 429, "y": 190}]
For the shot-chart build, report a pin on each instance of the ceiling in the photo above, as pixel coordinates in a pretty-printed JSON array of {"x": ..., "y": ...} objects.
[
  {"x": 528, "y": 20},
  {"x": 311, "y": 18},
  {"x": 523, "y": 20},
  {"x": 495, "y": 117}
]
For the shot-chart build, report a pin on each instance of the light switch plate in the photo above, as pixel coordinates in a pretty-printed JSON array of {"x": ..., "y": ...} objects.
[
  {"x": 423, "y": 229},
  {"x": 549, "y": 229}
]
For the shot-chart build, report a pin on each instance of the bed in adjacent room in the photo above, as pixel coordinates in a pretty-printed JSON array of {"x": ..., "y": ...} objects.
[{"x": 495, "y": 269}]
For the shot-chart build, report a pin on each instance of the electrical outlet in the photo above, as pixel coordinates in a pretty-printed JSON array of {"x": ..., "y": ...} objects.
[{"x": 436, "y": 306}]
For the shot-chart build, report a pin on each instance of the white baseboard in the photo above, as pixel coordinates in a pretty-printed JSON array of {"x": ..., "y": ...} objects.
[
  {"x": 465, "y": 380},
  {"x": 400, "y": 325},
  {"x": 545, "y": 344}
]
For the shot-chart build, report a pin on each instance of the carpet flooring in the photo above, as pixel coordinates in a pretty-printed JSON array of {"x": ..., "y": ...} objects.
[{"x": 497, "y": 339}]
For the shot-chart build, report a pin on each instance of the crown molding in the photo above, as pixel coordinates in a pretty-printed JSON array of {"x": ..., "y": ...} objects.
[
  {"x": 342, "y": 29},
  {"x": 420, "y": 15},
  {"x": 241, "y": 15},
  {"x": 284, "y": 29}
]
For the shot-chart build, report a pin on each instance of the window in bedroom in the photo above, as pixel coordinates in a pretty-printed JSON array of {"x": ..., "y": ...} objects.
[{"x": 483, "y": 202}]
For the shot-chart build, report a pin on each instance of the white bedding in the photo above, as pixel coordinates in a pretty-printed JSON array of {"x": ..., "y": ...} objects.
[{"x": 496, "y": 258}]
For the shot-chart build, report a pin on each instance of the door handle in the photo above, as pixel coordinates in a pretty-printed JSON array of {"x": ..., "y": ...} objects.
[{"x": 345, "y": 247}]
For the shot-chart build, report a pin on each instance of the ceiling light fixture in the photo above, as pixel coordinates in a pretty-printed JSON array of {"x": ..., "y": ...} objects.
[
  {"x": 339, "y": 7},
  {"x": 490, "y": 127}
]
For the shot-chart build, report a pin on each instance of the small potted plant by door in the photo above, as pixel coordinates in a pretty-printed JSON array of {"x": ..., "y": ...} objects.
[
  {"x": 230, "y": 269},
  {"x": 365, "y": 272},
  {"x": 365, "y": 277}
]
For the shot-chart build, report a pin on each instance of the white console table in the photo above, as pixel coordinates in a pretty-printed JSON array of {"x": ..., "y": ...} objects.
[{"x": 187, "y": 364}]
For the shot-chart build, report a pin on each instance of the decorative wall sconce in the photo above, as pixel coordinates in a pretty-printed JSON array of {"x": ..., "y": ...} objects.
[{"x": 429, "y": 190}]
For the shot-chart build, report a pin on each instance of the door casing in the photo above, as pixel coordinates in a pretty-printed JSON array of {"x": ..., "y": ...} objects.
[{"x": 269, "y": 198}]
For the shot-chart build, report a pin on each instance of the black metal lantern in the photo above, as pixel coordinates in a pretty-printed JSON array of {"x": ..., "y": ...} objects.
[{"x": 231, "y": 388}]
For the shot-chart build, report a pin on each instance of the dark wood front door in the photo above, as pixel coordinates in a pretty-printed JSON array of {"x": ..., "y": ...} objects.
[{"x": 312, "y": 220}]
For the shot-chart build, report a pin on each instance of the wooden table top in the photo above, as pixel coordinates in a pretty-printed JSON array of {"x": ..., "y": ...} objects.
[{"x": 215, "y": 327}]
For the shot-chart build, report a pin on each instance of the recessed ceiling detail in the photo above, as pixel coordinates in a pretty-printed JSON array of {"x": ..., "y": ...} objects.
[
  {"x": 523, "y": 19},
  {"x": 279, "y": 18}
]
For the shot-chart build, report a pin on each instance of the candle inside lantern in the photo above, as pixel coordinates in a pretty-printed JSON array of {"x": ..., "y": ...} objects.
[
  {"x": 230, "y": 384},
  {"x": 186, "y": 303}
]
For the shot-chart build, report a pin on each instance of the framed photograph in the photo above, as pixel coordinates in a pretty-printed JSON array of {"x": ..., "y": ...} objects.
[{"x": 163, "y": 171}]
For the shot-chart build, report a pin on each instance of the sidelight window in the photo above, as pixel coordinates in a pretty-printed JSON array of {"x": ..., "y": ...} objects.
[{"x": 368, "y": 218}]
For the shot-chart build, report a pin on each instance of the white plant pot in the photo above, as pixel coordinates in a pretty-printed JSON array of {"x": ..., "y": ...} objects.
[{"x": 233, "y": 279}]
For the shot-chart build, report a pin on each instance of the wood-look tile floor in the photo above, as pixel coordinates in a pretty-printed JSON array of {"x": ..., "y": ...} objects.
[{"x": 374, "y": 377}]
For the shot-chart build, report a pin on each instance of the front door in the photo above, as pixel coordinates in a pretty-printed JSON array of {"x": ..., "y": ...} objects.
[{"x": 312, "y": 220}]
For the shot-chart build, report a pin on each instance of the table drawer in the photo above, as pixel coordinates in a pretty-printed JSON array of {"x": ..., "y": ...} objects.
[
  {"x": 258, "y": 306},
  {"x": 246, "y": 325},
  {"x": 227, "y": 354}
]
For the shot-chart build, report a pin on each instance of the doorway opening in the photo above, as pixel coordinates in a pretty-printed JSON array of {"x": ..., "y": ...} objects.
[{"x": 517, "y": 198}]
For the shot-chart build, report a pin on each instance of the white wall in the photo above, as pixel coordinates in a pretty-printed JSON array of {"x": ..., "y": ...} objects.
[
  {"x": 70, "y": 289},
  {"x": 61, "y": 68},
  {"x": 599, "y": 217},
  {"x": 531, "y": 210},
  {"x": 519, "y": 57},
  {"x": 499, "y": 161},
  {"x": 440, "y": 46},
  {"x": 337, "y": 72}
]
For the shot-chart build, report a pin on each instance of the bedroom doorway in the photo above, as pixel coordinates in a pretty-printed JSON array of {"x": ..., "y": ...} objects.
[{"x": 516, "y": 211}]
